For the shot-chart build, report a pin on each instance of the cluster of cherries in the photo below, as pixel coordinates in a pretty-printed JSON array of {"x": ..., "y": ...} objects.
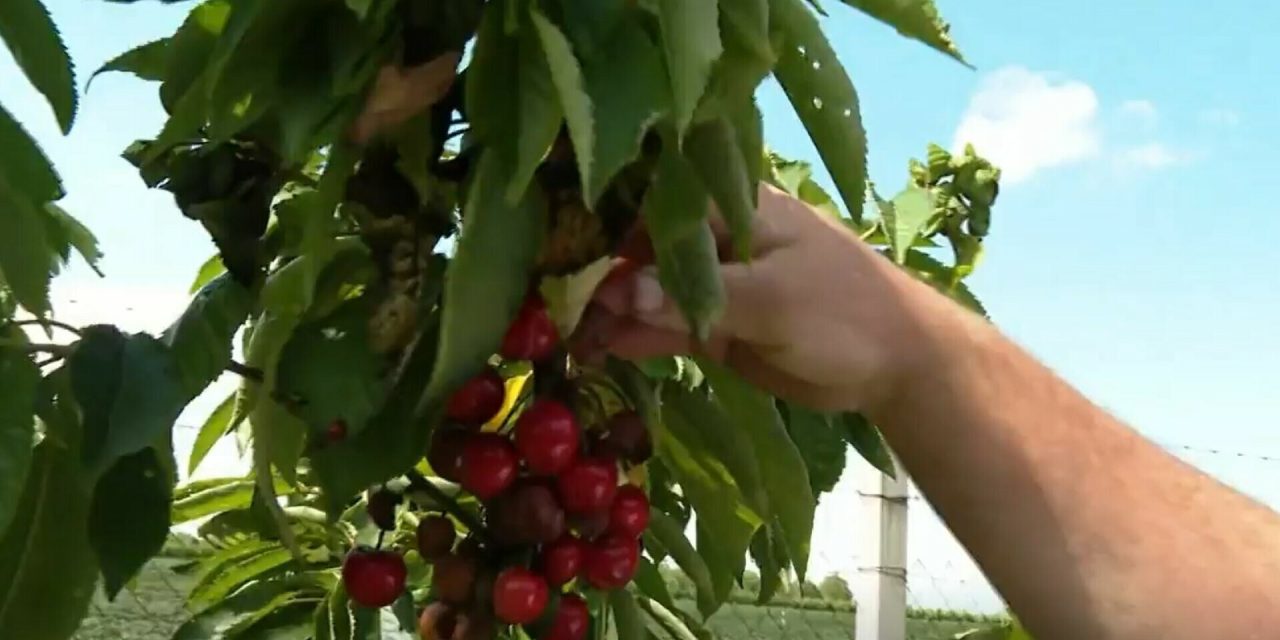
[{"x": 556, "y": 519}]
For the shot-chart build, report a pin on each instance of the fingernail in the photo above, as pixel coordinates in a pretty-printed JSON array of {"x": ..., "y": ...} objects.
[{"x": 648, "y": 292}]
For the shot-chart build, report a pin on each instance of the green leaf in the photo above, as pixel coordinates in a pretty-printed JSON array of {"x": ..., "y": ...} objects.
[
  {"x": 691, "y": 41},
  {"x": 66, "y": 233},
  {"x": 25, "y": 256},
  {"x": 47, "y": 568},
  {"x": 128, "y": 391},
  {"x": 670, "y": 534},
  {"x": 916, "y": 19},
  {"x": 25, "y": 26},
  {"x": 493, "y": 71},
  {"x": 540, "y": 112},
  {"x": 246, "y": 78},
  {"x": 626, "y": 616},
  {"x": 566, "y": 74},
  {"x": 675, "y": 210},
  {"x": 24, "y": 166},
  {"x": 866, "y": 439},
  {"x": 770, "y": 556},
  {"x": 786, "y": 480},
  {"x": 904, "y": 218},
  {"x": 339, "y": 612},
  {"x": 190, "y": 49},
  {"x": 200, "y": 339},
  {"x": 231, "y": 494},
  {"x": 211, "y": 622},
  {"x": 129, "y": 516},
  {"x": 628, "y": 87},
  {"x": 147, "y": 61},
  {"x": 17, "y": 429},
  {"x": 215, "y": 426},
  {"x": 712, "y": 149},
  {"x": 702, "y": 424},
  {"x": 820, "y": 91},
  {"x": 745, "y": 25},
  {"x": 487, "y": 279},
  {"x": 821, "y": 446},
  {"x": 229, "y": 570},
  {"x": 943, "y": 278},
  {"x": 277, "y": 434},
  {"x": 748, "y": 123},
  {"x": 649, "y": 581}
]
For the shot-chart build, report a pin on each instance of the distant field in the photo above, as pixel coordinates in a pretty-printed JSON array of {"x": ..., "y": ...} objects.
[{"x": 154, "y": 610}]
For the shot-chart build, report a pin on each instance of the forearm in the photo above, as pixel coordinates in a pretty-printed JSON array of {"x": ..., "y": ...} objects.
[{"x": 1087, "y": 529}]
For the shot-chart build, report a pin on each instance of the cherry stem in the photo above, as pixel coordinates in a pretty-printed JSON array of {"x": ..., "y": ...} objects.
[
  {"x": 420, "y": 483},
  {"x": 245, "y": 371},
  {"x": 47, "y": 322},
  {"x": 381, "y": 534}
]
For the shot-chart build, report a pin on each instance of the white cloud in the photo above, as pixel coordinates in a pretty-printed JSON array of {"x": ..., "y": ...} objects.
[
  {"x": 1143, "y": 111},
  {"x": 1220, "y": 117},
  {"x": 1026, "y": 122},
  {"x": 1153, "y": 155}
]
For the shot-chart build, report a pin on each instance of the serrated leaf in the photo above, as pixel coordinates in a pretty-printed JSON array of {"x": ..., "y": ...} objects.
[
  {"x": 567, "y": 296},
  {"x": 190, "y": 49},
  {"x": 66, "y": 233},
  {"x": 867, "y": 441},
  {"x": 209, "y": 623},
  {"x": 628, "y": 87},
  {"x": 200, "y": 340},
  {"x": 748, "y": 124},
  {"x": 819, "y": 444},
  {"x": 128, "y": 390},
  {"x": 770, "y": 556},
  {"x": 218, "y": 424},
  {"x": 782, "y": 468},
  {"x": 228, "y": 571},
  {"x": 25, "y": 256},
  {"x": 230, "y": 495},
  {"x": 24, "y": 166},
  {"x": 36, "y": 45},
  {"x": 17, "y": 429},
  {"x": 823, "y": 96},
  {"x": 670, "y": 535},
  {"x": 943, "y": 278},
  {"x": 147, "y": 61},
  {"x": 47, "y": 568},
  {"x": 745, "y": 23},
  {"x": 712, "y": 150},
  {"x": 701, "y": 424},
  {"x": 566, "y": 74},
  {"x": 916, "y": 19},
  {"x": 675, "y": 211},
  {"x": 540, "y": 112},
  {"x": 129, "y": 516},
  {"x": 277, "y": 435},
  {"x": 904, "y": 217},
  {"x": 691, "y": 41},
  {"x": 245, "y": 72},
  {"x": 487, "y": 279},
  {"x": 649, "y": 581}
]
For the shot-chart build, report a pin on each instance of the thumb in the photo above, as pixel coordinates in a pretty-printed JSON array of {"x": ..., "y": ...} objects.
[{"x": 652, "y": 305}]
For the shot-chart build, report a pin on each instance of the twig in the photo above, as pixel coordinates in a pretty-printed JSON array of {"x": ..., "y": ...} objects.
[
  {"x": 40, "y": 364},
  {"x": 245, "y": 371},
  {"x": 419, "y": 483},
  {"x": 48, "y": 322},
  {"x": 36, "y": 347}
]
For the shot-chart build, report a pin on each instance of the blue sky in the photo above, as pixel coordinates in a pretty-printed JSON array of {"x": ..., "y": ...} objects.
[{"x": 1130, "y": 247}]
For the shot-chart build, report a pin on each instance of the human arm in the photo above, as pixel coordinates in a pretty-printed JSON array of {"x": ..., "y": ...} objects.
[{"x": 1087, "y": 529}]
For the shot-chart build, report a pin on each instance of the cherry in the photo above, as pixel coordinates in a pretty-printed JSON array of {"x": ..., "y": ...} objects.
[
  {"x": 373, "y": 578},
  {"x": 588, "y": 485},
  {"x": 336, "y": 431},
  {"x": 437, "y": 622},
  {"x": 532, "y": 335},
  {"x": 478, "y": 400},
  {"x": 435, "y": 537},
  {"x": 527, "y": 514},
  {"x": 629, "y": 513},
  {"x": 453, "y": 578},
  {"x": 489, "y": 465},
  {"x": 547, "y": 436},
  {"x": 571, "y": 620},
  {"x": 626, "y": 437},
  {"x": 519, "y": 595},
  {"x": 445, "y": 453},
  {"x": 611, "y": 561},
  {"x": 590, "y": 525},
  {"x": 561, "y": 561},
  {"x": 381, "y": 507}
]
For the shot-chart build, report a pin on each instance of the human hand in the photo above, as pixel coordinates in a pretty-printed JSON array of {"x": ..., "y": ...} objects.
[{"x": 817, "y": 316}]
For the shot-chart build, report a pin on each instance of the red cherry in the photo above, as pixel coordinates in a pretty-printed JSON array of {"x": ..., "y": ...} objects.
[
  {"x": 629, "y": 513},
  {"x": 588, "y": 485},
  {"x": 489, "y": 465},
  {"x": 374, "y": 578},
  {"x": 547, "y": 436},
  {"x": 532, "y": 335},
  {"x": 611, "y": 561},
  {"x": 571, "y": 620},
  {"x": 478, "y": 400},
  {"x": 453, "y": 578},
  {"x": 336, "y": 431},
  {"x": 561, "y": 561},
  {"x": 445, "y": 453},
  {"x": 435, "y": 537},
  {"x": 519, "y": 596},
  {"x": 590, "y": 525}
]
